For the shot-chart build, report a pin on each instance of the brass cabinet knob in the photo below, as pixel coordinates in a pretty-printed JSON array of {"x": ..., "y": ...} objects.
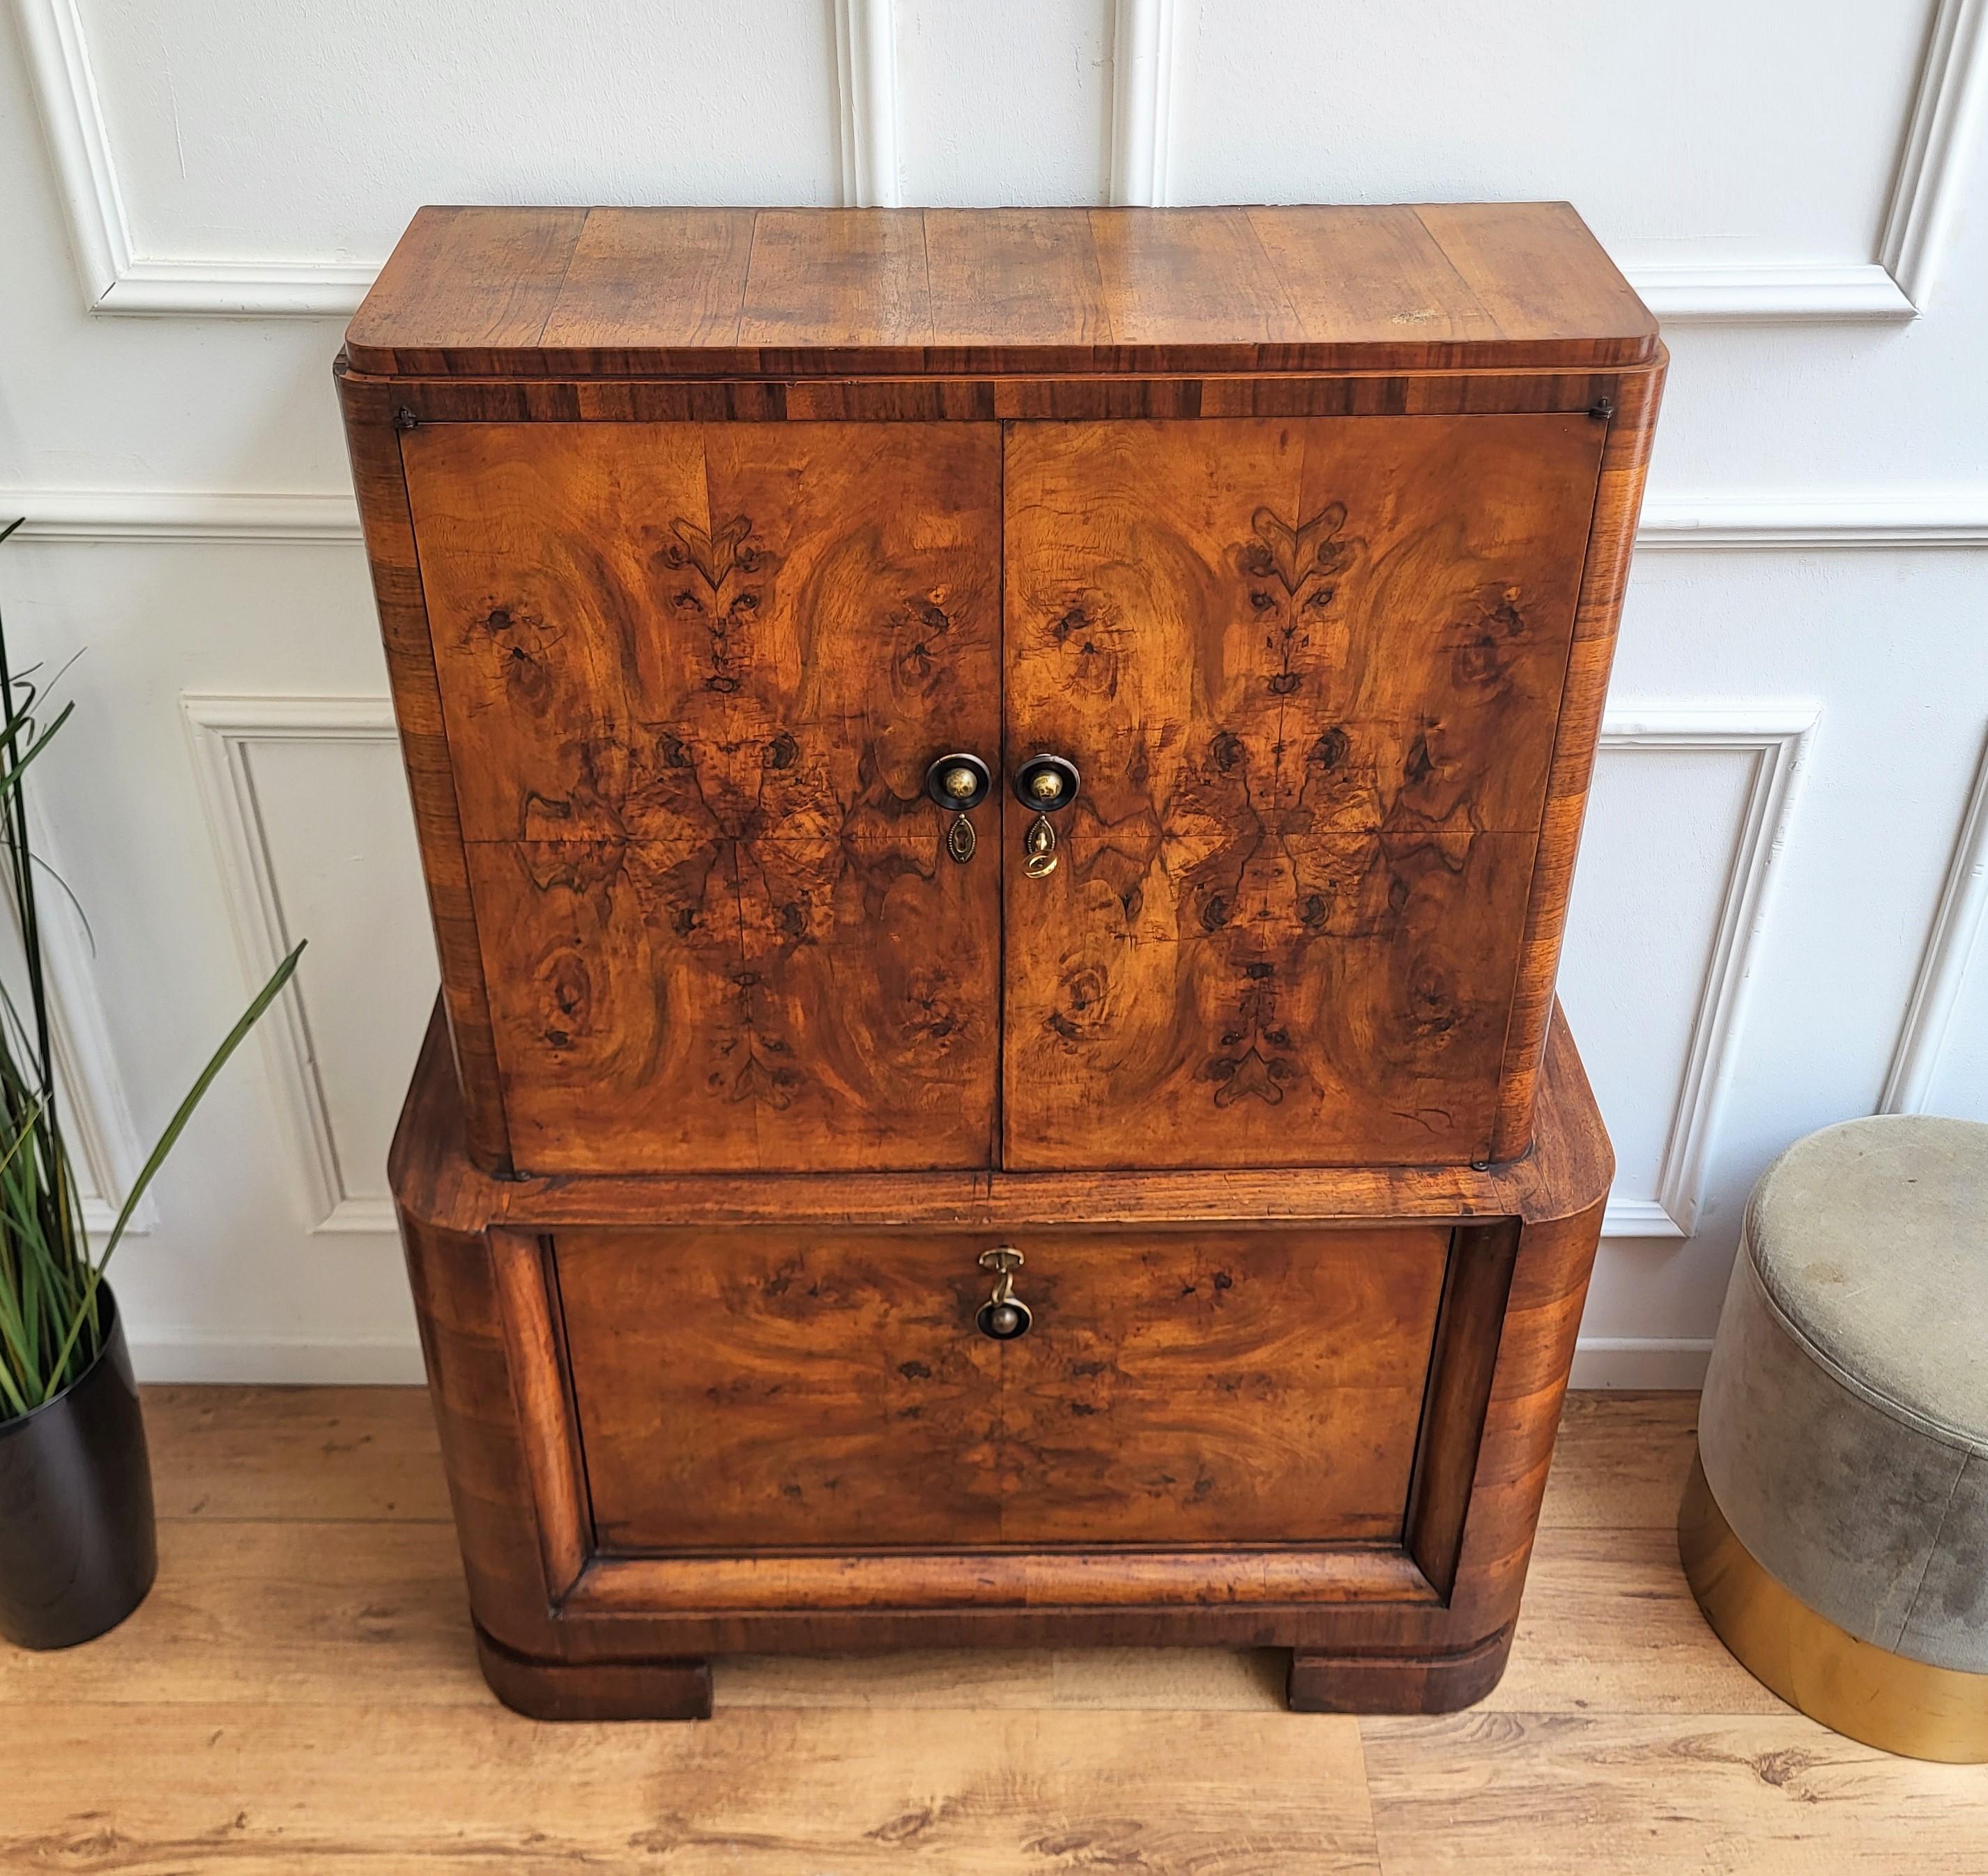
[
  {"x": 1046, "y": 783},
  {"x": 1004, "y": 1316},
  {"x": 959, "y": 781}
]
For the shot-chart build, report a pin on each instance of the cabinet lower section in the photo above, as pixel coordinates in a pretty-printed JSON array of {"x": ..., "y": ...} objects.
[{"x": 689, "y": 1416}]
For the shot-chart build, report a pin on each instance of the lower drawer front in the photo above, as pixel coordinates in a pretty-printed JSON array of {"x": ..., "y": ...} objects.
[{"x": 771, "y": 1389}]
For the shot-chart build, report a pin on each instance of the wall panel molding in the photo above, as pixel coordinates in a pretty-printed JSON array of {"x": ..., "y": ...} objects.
[
  {"x": 224, "y": 730},
  {"x": 161, "y": 515},
  {"x": 1925, "y": 190},
  {"x": 1897, "y": 283},
  {"x": 1772, "y": 292},
  {"x": 1930, "y": 519},
  {"x": 866, "y": 59},
  {"x": 1776, "y": 741},
  {"x": 117, "y": 277},
  {"x": 1958, "y": 922}
]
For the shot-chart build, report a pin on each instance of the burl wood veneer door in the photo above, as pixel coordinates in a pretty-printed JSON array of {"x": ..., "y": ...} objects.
[
  {"x": 1310, "y": 670},
  {"x": 764, "y": 1389},
  {"x": 692, "y": 675}
]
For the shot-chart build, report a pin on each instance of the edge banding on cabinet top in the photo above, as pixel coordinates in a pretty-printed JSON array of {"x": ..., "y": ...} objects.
[{"x": 741, "y": 292}]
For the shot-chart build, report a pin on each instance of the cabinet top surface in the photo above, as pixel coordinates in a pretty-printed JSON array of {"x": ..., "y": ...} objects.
[{"x": 704, "y": 293}]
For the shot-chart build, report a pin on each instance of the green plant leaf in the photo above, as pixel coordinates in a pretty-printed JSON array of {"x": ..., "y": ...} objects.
[{"x": 12, "y": 777}]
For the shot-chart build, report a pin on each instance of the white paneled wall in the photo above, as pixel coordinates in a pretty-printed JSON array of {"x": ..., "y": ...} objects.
[{"x": 1780, "y": 917}]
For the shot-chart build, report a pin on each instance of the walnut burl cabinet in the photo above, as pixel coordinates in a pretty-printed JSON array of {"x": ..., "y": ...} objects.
[{"x": 999, "y": 791}]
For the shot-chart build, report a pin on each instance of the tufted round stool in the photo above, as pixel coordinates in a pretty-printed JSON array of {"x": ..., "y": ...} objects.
[{"x": 1835, "y": 1528}]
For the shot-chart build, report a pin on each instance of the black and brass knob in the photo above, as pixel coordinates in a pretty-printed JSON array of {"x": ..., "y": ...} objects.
[
  {"x": 959, "y": 781},
  {"x": 1004, "y": 1316},
  {"x": 1046, "y": 783}
]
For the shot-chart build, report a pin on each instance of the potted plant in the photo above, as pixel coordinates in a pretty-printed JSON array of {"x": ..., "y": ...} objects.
[{"x": 77, "y": 1544}]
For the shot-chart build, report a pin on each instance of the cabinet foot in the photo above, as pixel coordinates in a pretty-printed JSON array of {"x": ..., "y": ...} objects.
[
  {"x": 596, "y": 1690},
  {"x": 1396, "y": 1683}
]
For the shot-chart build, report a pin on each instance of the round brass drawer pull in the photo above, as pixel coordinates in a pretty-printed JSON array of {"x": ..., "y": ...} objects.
[{"x": 1004, "y": 1316}]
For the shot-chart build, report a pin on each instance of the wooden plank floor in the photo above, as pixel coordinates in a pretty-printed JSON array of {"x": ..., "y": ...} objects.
[{"x": 298, "y": 1694}]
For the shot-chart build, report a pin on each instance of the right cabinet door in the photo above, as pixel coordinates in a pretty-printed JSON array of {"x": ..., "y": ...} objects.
[{"x": 1309, "y": 671}]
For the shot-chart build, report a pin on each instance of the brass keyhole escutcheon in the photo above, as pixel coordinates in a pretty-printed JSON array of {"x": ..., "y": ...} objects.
[{"x": 1004, "y": 1316}]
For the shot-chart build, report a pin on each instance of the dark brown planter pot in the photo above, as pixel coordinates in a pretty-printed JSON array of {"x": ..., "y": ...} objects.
[{"x": 78, "y": 1548}]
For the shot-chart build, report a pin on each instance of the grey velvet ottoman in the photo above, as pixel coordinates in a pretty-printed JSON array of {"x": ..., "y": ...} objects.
[{"x": 1835, "y": 1528}]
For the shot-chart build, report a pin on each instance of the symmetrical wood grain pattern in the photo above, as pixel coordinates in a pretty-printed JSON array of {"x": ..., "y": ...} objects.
[
  {"x": 797, "y": 292},
  {"x": 692, "y": 676},
  {"x": 1311, "y": 671},
  {"x": 769, "y": 1389},
  {"x": 532, "y": 905}
]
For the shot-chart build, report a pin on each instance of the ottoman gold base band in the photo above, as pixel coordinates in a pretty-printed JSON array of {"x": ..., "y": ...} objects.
[{"x": 1853, "y": 1687}]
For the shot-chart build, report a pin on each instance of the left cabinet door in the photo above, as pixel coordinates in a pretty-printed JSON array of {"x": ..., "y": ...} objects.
[{"x": 692, "y": 675}]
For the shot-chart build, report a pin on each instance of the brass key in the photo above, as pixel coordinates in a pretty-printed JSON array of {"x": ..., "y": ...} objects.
[{"x": 1040, "y": 844}]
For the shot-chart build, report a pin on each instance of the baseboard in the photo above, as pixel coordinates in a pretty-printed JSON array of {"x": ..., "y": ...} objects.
[
  {"x": 275, "y": 1362},
  {"x": 1641, "y": 1361}
]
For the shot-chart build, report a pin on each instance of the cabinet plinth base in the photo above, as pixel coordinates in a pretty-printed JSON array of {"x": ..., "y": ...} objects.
[{"x": 595, "y": 1690}]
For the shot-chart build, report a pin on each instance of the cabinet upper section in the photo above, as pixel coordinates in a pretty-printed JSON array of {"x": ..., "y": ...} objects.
[{"x": 798, "y": 293}]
